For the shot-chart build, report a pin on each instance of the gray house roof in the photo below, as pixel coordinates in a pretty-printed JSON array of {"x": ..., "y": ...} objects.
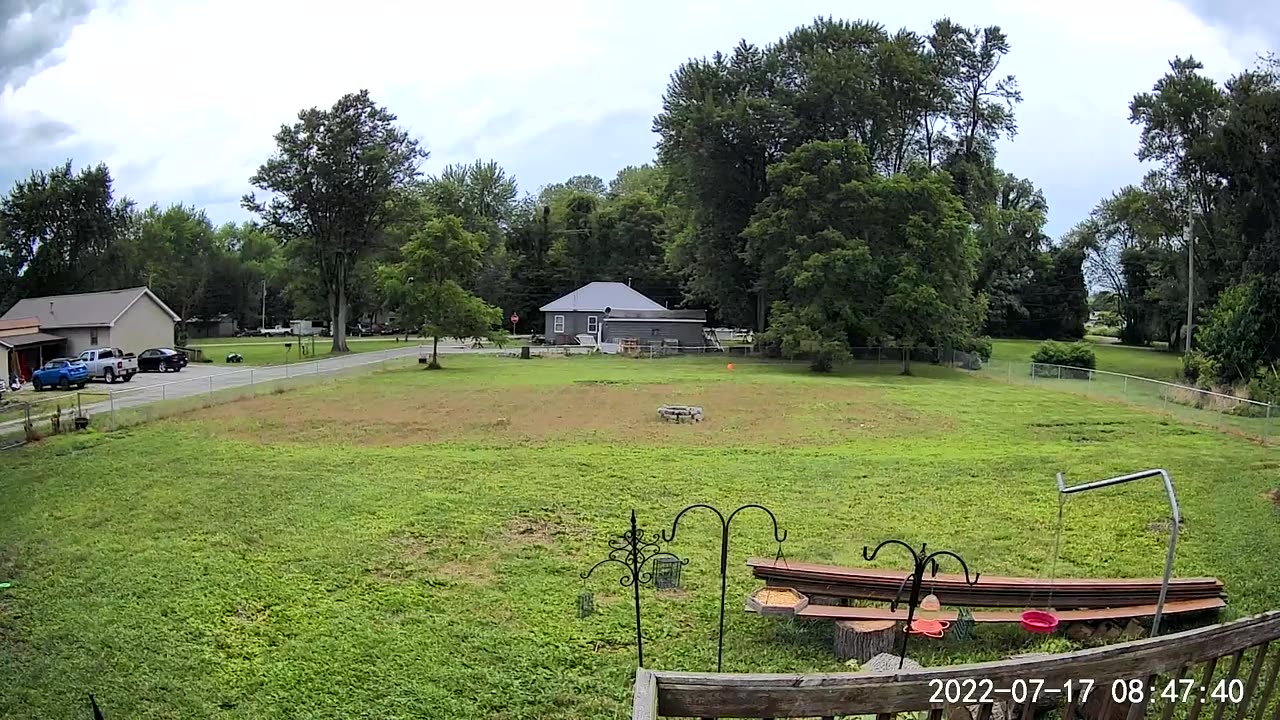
[
  {"x": 97, "y": 309},
  {"x": 596, "y": 296}
]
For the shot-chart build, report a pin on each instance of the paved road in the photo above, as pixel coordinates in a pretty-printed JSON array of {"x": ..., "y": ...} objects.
[{"x": 138, "y": 394}]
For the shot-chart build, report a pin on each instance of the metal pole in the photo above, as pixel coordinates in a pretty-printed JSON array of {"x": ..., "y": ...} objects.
[
  {"x": 112, "y": 397},
  {"x": 1266, "y": 425},
  {"x": 210, "y": 386},
  {"x": 163, "y": 393},
  {"x": 1059, "y": 372},
  {"x": 1175, "y": 524},
  {"x": 1190, "y": 240}
]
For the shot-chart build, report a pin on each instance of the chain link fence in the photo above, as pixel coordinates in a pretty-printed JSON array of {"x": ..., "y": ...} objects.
[
  {"x": 1228, "y": 413},
  {"x": 110, "y": 407}
]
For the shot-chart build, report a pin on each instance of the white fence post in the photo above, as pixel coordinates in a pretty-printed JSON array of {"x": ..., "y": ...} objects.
[
  {"x": 164, "y": 394},
  {"x": 1059, "y": 372},
  {"x": 210, "y": 386},
  {"x": 1266, "y": 425},
  {"x": 112, "y": 398}
]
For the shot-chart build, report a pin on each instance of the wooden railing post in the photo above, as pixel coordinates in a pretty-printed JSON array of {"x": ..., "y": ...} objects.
[{"x": 645, "y": 703}]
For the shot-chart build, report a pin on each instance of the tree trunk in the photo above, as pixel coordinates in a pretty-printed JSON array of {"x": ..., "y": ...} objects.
[
  {"x": 340, "y": 320},
  {"x": 435, "y": 353},
  {"x": 864, "y": 639},
  {"x": 906, "y": 361}
]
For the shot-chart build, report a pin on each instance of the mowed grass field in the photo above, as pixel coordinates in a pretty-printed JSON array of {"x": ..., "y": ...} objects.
[
  {"x": 409, "y": 544},
  {"x": 272, "y": 351},
  {"x": 1143, "y": 362}
]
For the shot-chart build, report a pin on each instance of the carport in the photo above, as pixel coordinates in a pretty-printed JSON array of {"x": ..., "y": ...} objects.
[{"x": 22, "y": 354}]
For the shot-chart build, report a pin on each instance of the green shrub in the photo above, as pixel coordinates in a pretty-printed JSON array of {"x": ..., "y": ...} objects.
[
  {"x": 1105, "y": 331},
  {"x": 980, "y": 346},
  {"x": 1265, "y": 386},
  {"x": 1076, "y": 354}
]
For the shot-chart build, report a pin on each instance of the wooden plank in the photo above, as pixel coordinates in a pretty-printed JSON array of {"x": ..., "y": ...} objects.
[
  {"x": 1138, "y": 710},
  {"x": 1259, "y": 659},
  {"x": 1270, "y": 686},
  {"x": 789, "y": 566},
  {"x": 935, "y": 713},
  {"x": 984, "y": 711},
  {"x": 1169, "y": 706},
  {"x": 797, "y": 695},
  {"x": 833, "y": 612},
  {"x": 1028, "y": 707},
  {"x": 1069, "y": 712},
  {"x": 644, "y": 703},
  {"x": 1205, "y": 677},
  {"x": 1231, "y": 675}
]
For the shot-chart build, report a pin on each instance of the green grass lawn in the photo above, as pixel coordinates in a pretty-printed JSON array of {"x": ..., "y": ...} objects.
[
  {"x": 409, "y": 543},
  {"x": 1143, "y": 362},
  {"x": 272, "y": 351}
]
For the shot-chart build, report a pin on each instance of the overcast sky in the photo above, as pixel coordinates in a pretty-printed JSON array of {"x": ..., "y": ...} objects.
[{"x": 181, "y": 97}]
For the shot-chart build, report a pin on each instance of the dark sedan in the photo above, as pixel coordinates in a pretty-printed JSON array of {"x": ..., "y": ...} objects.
[{"x": 161, "y": 360}]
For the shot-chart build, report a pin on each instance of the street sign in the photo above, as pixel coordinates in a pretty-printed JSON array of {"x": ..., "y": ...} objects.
[{"x": 515, "y": 318}]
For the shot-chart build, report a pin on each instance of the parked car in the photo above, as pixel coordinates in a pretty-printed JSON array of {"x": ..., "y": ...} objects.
[
  {"x": 161, "y": 360},
  {"x": 109, "y": 364},
  {"x": 276, "y": 331},
  {"x": 60, "y": 373}
]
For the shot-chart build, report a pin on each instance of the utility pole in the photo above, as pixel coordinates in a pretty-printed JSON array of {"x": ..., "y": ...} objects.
[
  {"x": 262, "y": 320},
  {"x": 1188, "y": 237}
]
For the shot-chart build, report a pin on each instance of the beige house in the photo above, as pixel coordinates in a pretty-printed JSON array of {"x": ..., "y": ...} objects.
[{"x": 132, "y": 320}]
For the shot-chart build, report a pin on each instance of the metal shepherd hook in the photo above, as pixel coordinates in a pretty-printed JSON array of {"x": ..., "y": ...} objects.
[
  {"x": 922, "y": 559},
  {"x": 634, "y": 551},
  {"x": 725, "y": 523}
]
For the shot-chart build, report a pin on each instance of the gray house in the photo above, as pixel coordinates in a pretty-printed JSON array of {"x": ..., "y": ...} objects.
[{"x": 613, "y": 312}]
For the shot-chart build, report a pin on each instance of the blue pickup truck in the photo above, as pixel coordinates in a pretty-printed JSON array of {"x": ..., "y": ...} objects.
[{"x": 60, "y": 373}]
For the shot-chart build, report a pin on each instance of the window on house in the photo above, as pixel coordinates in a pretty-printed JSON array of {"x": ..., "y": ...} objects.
[
  {"x": 557, "y": 324},
  {"x": 93, "y": 337},
  {"x": 593, "y": 324},
  {"x": 656, "y": 332}
]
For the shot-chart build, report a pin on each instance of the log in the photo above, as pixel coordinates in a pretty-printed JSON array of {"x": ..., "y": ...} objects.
[{"x": 863, "y": 639}]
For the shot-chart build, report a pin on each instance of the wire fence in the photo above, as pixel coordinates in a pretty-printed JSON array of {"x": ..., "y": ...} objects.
[
  {"x": 1228, "y": 413},
  {"x": 111, "y": 407}
]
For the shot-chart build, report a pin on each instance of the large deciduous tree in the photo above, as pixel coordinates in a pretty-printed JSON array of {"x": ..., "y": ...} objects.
[
  {"x": 333, "y": 185},
  {"x": 427, "y": 285},
  {"x": 62, "y": 232},
  {"x": 855, "y": 257},
  {"x": 179, "y": 252}
]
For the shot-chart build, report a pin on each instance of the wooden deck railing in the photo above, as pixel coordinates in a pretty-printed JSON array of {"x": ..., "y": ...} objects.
[{"x": 1221, "y": 671}]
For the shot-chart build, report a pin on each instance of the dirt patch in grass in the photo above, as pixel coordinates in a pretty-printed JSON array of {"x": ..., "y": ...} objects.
[
  {"x": 470, "y": 573},
  {"x": 542, "y": 528},
  {"x": 1273, "y": 496},
  {"x": 736, "y": 414}
]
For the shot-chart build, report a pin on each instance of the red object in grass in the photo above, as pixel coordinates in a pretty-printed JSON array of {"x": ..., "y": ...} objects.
[
  {"x": 928, "y": 628},
  {"x": 1038, "y": 621}
]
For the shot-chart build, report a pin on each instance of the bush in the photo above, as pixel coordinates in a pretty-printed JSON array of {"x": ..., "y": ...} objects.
[
  {"x": 1265, "y": 386},
  {"x": 1076, "y": 354},
  {"x": 980, "y": 346}
]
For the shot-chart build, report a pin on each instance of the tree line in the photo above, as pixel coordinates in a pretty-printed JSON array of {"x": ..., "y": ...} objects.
[
  {"x": 1213, "y": 198},
  {"x": 835, "y": 188}
]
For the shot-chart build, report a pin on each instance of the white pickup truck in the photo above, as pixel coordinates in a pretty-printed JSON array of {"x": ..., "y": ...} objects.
[{"x": 110, "y": 364}]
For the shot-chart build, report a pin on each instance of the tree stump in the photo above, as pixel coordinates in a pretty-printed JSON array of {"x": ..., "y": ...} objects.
[{"x": 863, "y": 639}]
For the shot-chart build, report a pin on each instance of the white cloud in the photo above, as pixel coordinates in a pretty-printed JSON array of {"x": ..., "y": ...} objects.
[{"x": 181, "y": 97}]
